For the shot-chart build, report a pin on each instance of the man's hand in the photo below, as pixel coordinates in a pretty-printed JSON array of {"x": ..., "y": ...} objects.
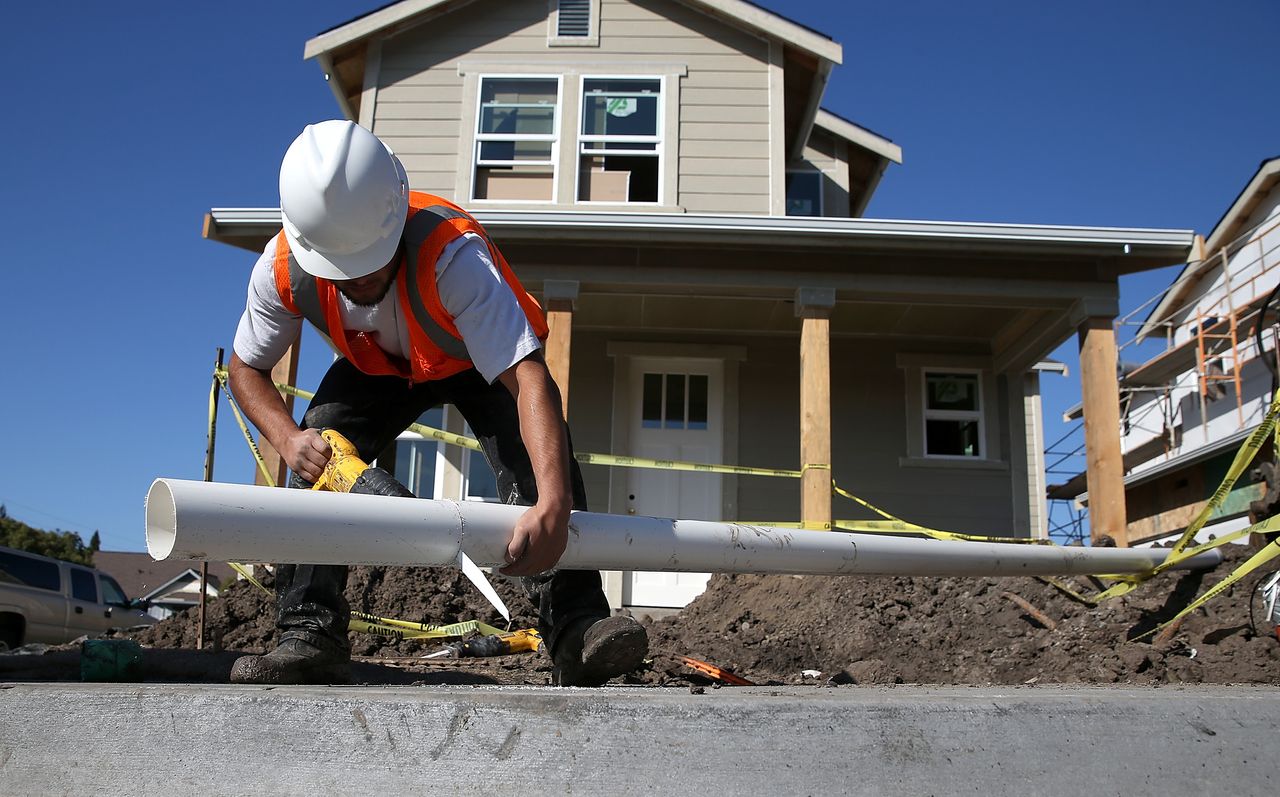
[
  {"x": 306, "y": 453},
  {"x": 538, "y": 540}
]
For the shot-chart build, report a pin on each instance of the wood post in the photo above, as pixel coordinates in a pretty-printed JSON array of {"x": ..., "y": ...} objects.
[
  {"x": 561, "y": 297},
  {"x": 1100, "y": 391},
  {"x": 813, "y": 305},
  {"x": 284, "y": 372}
]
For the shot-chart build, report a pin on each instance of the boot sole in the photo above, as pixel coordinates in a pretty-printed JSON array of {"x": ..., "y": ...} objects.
[{"x": 608, "y": 655}]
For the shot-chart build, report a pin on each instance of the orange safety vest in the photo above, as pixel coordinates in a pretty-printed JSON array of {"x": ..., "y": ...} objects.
[{"x": 436, "y": 348}]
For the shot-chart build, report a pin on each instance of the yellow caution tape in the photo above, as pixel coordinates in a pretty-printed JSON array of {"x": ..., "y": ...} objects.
[
  {"x": 1063, "y": 588},
  {"x": 1180, "y": 551},
  {"x": 221, "y": 373}
]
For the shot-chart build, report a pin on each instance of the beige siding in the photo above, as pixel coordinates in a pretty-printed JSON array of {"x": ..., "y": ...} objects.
[
  {"x": 721, "y": 158},
  {"x": 869, "y": 420}
]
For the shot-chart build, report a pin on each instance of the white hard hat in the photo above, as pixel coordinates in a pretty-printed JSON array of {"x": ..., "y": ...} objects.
[{"x": 344, "y": 197}]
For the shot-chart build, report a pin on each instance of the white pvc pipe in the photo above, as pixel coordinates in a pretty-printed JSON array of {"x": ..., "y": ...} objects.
[{"x": 243, "y": 523}]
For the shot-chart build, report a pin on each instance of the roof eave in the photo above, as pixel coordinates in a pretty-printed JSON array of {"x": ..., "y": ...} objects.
[
  {"x": 743, "y": 13},
  {"x": 858, "y": 135},
  {"x": 1141, "y": 248}
]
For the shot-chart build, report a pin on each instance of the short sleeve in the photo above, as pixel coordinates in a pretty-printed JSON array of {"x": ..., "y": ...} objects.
[
  {"x": 266, "y": 328},
  {"x": 485, "y": 310}
]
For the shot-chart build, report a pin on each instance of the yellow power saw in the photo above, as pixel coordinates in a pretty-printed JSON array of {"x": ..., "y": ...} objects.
[{"x": 347, "y": 473}]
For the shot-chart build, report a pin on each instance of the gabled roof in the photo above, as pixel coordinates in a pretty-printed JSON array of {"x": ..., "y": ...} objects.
[
  {"x": 140, "y": 575},
  {"x": 857, "y": 134},
  {"x": 398, "y": 16},
  {"x": 1230, "y": 227}
]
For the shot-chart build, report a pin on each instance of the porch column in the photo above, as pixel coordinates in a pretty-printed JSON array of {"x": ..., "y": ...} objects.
[
  {"x": 561, "y": 297},
  {"x": 284, "y": 372},
  {"x": 1100, "y": 392},
  {"x": 813, "y": 306}
]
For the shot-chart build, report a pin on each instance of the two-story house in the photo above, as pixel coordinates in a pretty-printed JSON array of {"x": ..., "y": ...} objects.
[{"x": 662, "y": 174}]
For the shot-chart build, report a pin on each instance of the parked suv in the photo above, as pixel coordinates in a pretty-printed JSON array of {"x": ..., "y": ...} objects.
[{"x": 49, "y": 600}]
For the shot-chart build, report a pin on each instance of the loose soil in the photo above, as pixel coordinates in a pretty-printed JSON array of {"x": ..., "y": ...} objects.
[{"x": 818, "y": 630}]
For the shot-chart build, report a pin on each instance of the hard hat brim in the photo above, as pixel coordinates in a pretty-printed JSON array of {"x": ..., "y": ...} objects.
[{"x": 346, "y": 267}]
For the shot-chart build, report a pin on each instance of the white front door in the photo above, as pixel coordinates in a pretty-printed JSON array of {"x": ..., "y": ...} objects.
[{"x": 677, "y": 414}]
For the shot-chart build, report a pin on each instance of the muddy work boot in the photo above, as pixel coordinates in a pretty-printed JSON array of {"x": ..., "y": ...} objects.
[
  {"x": 591, "y": 652},
  {"x": 294, "y": 661}
]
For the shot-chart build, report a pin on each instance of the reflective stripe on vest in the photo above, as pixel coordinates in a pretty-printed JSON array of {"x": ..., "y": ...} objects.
[
  {"x": 416, "y": 231},
  {"x": 307, "y": 298}
]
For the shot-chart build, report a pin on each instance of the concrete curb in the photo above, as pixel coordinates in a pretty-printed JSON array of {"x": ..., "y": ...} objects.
[{"x": 221, "y": 739}]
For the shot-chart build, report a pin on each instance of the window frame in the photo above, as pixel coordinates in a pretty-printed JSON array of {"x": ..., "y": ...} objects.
[
  {"x": 478, "y": 139},
  {"x": 658, "y": 139},
  {"x": 927, "y": 414},
  {"x": 815, "y": 173}
]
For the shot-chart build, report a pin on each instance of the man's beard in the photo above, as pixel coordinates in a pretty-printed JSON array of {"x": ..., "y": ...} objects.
[{"x": 381, "y": 295}]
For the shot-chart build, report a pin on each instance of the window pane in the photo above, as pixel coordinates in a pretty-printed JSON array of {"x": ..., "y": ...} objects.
[
  {"x": 515, "y": 151},
  {"x": 952, "y": 438},
  {"x": 804, "y": 194},
  {"x": 112, "y": 595},
  {"x": 83, "y": 587},
  {"x": 416, "y": 459},
  {"x": 518, "y": 106},
  {"x": 514, "y": 182},
  {"x": 651, "y": 411},
  {"x": 18, "y": 569},
  {"x": 620, "y": 107},
  {"x": 480, "y": 480},
  {"x": 952, "y": 392},
  {"x": 675, "y": 401},
  {"x": 697, "y": 401},
  {"x": 618, "y": 178}
]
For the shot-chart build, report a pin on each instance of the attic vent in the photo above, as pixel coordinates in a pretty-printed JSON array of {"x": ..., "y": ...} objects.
[{"x": 574, "y": 18}]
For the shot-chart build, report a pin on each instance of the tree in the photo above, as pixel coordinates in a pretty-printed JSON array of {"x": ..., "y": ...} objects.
[{"x": 59, "y": 544}]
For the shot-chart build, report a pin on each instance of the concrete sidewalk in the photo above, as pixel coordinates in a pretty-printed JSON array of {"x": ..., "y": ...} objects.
[{"x": 162, "y": 739}]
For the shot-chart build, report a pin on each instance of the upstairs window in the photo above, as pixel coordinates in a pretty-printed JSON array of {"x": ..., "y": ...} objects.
[
  {"x": 804, "y": 193},
  {"x": 620, "y": 145},
  {"x": 516, "y": 139},
  {"x": 952, "y": 414},
  {"x": 573, "y": 18}
]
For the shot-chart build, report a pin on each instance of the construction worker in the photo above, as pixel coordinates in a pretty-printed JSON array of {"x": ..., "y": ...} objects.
[{"x": 424, "y": 311}]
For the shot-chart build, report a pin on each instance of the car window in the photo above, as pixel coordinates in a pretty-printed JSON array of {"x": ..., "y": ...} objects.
[
  {"x": 111, "y": 592},
  {"x": 18, "y": 569},
  {"x": 82, "y": 586}
]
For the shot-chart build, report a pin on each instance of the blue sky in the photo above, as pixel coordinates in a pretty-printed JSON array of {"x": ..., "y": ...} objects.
[{"x": 129, "y": 120}]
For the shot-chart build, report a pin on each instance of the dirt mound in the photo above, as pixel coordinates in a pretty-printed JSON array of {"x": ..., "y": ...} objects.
[
  {"x": 967, "y": 631},
  {"x": 771, "y": 629},
  {"x": 243, "y": 618}
]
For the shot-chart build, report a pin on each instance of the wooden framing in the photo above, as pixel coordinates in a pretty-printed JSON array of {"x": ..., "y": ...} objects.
[
  {"x": 814, "y": 305},
  {"x": 1100, "y": 391},
  {"x": 560, "y": 297}
]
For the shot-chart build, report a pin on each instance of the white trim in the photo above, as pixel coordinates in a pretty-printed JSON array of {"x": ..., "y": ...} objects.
[
  {"x": 658, "y": 139},
  {"x": 858, "y": 135},
  {"x": 927, "y": 414},
  {"x": 478, "y": 138},
  {"x": 746, "y": 14}
]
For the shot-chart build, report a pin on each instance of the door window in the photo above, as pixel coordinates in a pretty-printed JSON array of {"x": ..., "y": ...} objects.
[
  {"x": 112, "y": 595},
  {"x": 674, "y": 401}
]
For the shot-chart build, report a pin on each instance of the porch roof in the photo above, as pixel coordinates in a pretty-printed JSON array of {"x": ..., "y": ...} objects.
[{"x": 1127, "y": 250}]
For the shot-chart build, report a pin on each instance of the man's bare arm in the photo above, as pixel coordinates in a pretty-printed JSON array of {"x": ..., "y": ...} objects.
[
  {"x": 541, "y": 533},
  {"x": 304, "y": 451}
]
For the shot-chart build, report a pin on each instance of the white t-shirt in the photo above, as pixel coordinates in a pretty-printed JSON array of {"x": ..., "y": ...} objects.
[{"x": 493, "y": 325}]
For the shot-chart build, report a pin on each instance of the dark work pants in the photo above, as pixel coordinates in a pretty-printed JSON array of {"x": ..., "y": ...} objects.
[{"x": 370, "y": 411}]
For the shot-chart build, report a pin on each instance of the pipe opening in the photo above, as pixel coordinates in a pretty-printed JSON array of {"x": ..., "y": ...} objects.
[{"x": 162, "y": 520}]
